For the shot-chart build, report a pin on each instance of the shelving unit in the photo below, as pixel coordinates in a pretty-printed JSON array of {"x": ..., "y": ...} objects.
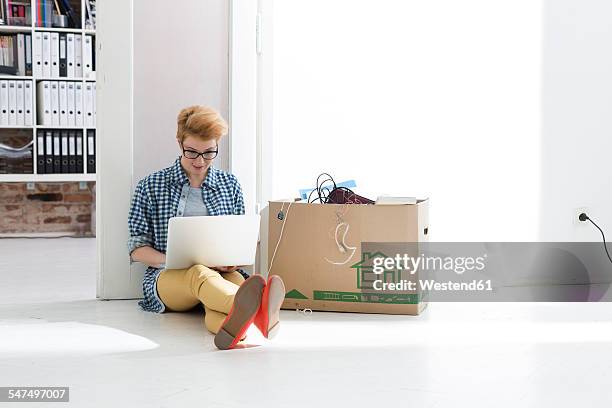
[{"x": 64, "y": 177}]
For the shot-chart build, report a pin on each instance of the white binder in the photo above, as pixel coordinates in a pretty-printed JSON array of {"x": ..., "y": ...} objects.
[
  {"x": 28, "y": 106},
  {"x": 55, "y": 55},
  {"x": 93, "y": 101},
  {"x": 63, "y": 103},
  {"x": 55, "y": 114},
  {"x": 70, "y": 55},
  {"x": 88, "y": 105},
  {"x": 70, "y": 94},
  {"x": 88, "y": 57},
  {"x": 46, "y": 55},
  {"x": 78, "y": 56},
  {"x": 37, "y": 58},
  {"x": 43, "y": 105},
  {"x": 78, "y": 104},
  {"x": 19, "y": 103},
  {"x": 12, "y": 101},
  {"x": 21, "y": 54},
  {"x": 4, "y": 103}
]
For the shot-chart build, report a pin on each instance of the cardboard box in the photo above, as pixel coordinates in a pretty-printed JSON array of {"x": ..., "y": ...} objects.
[{"x": 324, "y": 253}]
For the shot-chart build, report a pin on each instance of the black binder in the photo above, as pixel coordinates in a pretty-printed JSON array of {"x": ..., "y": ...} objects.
[
  {"x": 91, "y": 151},
  {"x": 63, "y": 63},
  {"x": 79, "y": 152},
  {"x": 57, "y": 152},
  {"x": 65, "y": 158},
  {"x": 28, "y": 54},
  {"x": 48, "y": 152},
  {"x": 40, "y": 152},
  {"x": 71, "y": 152}
]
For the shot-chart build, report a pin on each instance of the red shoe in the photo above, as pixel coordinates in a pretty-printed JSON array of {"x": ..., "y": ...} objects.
[
  {"x": 267, "y": 319},
  {"x": 247, "y": 302}
]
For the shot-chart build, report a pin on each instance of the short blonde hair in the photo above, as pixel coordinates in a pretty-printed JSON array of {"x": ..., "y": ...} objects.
[{"x": 201, "y": 122}]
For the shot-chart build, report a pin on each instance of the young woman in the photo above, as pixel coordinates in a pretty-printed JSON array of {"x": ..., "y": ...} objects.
[{"x": 192, "y": 186}]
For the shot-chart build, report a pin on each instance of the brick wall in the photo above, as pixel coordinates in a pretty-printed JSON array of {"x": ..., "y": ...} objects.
[{"x": 50, "y": 208}]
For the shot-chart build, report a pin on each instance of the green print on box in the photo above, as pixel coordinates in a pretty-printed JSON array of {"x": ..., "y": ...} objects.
[
  {"x": 358, "y": 297},
  {"x": 295, "y": 294},
  {"x": 365, "y": 280}
]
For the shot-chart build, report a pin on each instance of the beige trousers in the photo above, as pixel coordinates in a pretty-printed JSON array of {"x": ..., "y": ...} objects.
[{"x": 182, "y": 289}]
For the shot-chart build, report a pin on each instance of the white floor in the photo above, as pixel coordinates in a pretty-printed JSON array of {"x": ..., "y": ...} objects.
[{"x": 54, "y": 332}]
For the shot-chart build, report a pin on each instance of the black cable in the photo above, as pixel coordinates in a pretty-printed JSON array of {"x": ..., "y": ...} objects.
[
  {"x": 318, "y": 197},
  {"x": 324, "y": 192},
  {"x": 321, "y": 188},
  {"x": 330, "y": 178},
  {"x": 313, "y": 190},
  {"x": 584, "y": 217}
]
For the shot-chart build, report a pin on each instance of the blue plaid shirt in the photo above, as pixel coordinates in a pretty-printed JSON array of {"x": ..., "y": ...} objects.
[{"x": 162, "y": 195}]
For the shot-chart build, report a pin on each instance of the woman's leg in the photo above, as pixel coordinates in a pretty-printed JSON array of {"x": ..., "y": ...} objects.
[
  {"x": 174, "y": 292},
  {"x": 181, "y": 289},
  {"x": 213, "y": 319},
  {"x": 234, "y": 277}
]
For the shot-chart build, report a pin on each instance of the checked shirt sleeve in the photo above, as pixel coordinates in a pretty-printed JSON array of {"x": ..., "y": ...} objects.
[
  {"x": 238, "y": 200},
  {"x": 139, "y": 220}
]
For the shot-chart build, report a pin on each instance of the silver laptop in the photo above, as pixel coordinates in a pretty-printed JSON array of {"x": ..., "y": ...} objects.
[{"x": 224, "y": 240}]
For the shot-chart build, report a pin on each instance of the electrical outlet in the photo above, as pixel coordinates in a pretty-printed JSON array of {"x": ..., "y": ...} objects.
[
  {"x": 30, "y": 187},
  {"x": 577, "y": 213}
]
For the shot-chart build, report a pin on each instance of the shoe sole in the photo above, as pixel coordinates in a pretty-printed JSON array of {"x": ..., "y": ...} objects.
[
  {"x": 276, "y": 296},
  {"x": 246, "y": 304}
]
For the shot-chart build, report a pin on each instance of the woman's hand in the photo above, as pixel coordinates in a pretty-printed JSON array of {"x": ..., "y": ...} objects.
[
  {"x": 149, "y": 256},
  {"x": 225, "y": 269}
]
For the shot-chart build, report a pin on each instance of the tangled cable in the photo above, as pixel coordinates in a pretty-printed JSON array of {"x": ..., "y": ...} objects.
[
  {"x": 332, "y": 194},
  {"x": 321, "y": 189}
]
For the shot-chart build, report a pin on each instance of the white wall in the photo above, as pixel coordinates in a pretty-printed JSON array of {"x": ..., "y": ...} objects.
[
  {"x": 180, "y": 59},
  {"x": 435, "y": 98},
  {"x": 243, "y": 98},
  {"x": 530, "y": 82},
  {"x": 577, "y": 119},
  {"x": 114, "y": 149}
]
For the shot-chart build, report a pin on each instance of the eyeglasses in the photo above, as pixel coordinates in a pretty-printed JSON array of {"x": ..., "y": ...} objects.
[{"x": 207, "y": 155}]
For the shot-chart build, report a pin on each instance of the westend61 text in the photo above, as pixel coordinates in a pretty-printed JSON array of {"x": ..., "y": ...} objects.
[{"x": 430, "y": 284}]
